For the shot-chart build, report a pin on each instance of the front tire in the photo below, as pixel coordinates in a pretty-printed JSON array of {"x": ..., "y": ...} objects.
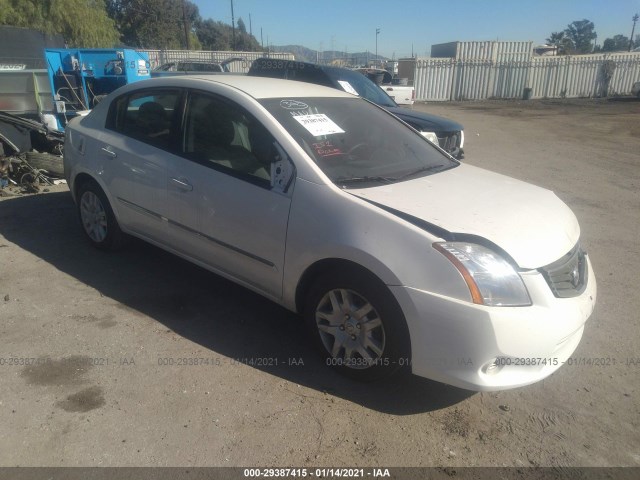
[
  {"x": 358, "y": 325},
  {"x": 97, "y": 219}
]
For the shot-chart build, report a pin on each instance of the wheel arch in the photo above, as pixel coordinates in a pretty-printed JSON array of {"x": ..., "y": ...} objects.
[
  {"x": 378, "y": 293},
  {"x": 322, "y": 267},
  {"x": 81, "y": 179}
]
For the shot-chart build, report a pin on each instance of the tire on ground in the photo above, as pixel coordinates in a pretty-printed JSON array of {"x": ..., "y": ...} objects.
[
  {"x": 386, "y": 350},
  {"x": 46, "y": 161},
  {"x": 92, "y": 204}
]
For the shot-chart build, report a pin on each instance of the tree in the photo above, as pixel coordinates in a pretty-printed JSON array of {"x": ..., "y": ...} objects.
[
  {"x": 241, "y": 26},
  {"x": 247, "y": 43},
  {"x": 214, "y": 35},
  {"x": 616, "y": 44},
  {"x": 561, "y": 42},
  {"x": 153, "y": 24},
  {"x": 82, "y": 23},
  {"x": 217, "y": 36},
  {"x": 635, "y": 18},
  {"x": 581, "y": 33}
]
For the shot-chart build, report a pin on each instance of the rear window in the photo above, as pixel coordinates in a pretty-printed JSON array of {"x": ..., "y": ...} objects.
[
  {"x": 300, "y": 71},
  {"x": 148, "y": 116},
  {"x": 361, "y": 84}
]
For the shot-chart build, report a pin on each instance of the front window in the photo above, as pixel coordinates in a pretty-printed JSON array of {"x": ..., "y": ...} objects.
[
  {"x": 222, "y": 135},
  {"x": 354, "y": 142}
]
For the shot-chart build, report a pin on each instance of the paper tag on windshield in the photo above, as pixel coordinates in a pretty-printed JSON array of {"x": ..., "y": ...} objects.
[
  {"x": 318, "y": 124},
  {"x": 347, "y": 87}
]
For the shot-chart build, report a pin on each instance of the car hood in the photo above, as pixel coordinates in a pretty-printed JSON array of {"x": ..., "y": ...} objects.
[
  {"x": 426, "y": 121},
  {"x": 530, "y": 223}
]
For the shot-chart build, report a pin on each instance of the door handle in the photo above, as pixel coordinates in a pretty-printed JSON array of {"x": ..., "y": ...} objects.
[
  {"x": 183, "y": 184},
  {"x": 109, "y": 152}
]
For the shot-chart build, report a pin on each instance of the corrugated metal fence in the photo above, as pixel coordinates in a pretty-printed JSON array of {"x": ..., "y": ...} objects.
[
  {"x": 158, "y": 57},
  {"x": 435, "y": 78},
  {"x": 440, "y": 79}
]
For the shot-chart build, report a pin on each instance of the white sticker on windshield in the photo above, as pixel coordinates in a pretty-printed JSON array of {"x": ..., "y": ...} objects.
[
  {"x": 347, "y": 87},
  {"x": 318, "y": 124}
]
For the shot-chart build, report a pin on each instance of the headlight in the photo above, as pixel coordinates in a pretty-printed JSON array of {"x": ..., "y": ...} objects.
[
  {"x": 491, "y": 279},
  {"x": 431, "y": 137},
  {"x": 461, "y": 139}
]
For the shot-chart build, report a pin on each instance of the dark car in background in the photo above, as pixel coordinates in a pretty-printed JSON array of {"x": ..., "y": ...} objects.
[{"x": 449, "y": 135}]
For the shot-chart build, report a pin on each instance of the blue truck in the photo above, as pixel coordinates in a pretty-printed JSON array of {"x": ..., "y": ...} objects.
[
  {"x": 80, "y": 78},
  {"x": 37, "y": 103}
]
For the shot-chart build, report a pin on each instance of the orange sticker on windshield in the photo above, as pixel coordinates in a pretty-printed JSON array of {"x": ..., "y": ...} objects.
[{"x": 325, "y": 149}]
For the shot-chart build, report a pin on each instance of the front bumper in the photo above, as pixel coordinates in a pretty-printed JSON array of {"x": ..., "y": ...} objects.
[{"x": 494, "y": 348}]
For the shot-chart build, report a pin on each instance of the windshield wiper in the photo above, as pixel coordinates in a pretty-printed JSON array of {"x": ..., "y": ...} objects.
[
  {"x": 374, "y": 179},
  {"x": 419, "y": 170},
  {"x": 366, "y": 179}
]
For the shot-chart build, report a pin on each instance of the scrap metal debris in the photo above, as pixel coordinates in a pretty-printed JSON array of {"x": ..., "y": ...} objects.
[{"x": 30, "y": 155}]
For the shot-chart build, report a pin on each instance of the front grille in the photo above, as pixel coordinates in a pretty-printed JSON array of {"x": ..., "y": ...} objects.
[
  {"x": 450, "y": 143},
  {"x": 567, "y": 277}
]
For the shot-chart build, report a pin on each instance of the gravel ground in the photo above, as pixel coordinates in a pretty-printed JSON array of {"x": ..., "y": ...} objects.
[{"x": 146, "y": 360}]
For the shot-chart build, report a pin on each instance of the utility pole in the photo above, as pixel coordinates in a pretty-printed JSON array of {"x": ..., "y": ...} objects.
[
  {"x": 261, "y": 40},
  {"x": 635, "y": 19},
  {"x": 377, "y": 33},
  {"x": 233, "y": 29},
  {"x": 250, "y": 29},
  {"x": 186, "y": 26}
]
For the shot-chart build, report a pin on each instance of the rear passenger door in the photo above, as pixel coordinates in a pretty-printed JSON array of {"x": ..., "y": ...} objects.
[
  {"x": 222, "y": 209},
  {"x": 140, "y": 137}
]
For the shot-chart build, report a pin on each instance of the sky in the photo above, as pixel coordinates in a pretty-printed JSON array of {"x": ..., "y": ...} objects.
[{"x": 408, "y": 26}]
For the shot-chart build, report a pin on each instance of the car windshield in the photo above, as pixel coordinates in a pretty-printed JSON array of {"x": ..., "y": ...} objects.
[
  {"x": 354, "y": 142},
  {"x": 361, "y": 84}
]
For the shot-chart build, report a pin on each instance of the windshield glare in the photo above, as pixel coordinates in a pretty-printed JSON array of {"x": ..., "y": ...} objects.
[{"x": 353, "y": 141}]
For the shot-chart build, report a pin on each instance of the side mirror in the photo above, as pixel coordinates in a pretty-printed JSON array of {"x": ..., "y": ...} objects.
[{"x": 282, "y": 170}]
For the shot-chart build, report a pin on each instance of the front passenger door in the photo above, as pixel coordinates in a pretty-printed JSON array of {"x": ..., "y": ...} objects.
[{"x": 222, "y": 209}]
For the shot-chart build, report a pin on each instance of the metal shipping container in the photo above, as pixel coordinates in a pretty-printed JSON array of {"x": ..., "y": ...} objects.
[{"x": 495, "y": 51}]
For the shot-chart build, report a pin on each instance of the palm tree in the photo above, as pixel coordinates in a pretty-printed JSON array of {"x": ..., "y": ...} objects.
[{"x": 635, "y": 19}]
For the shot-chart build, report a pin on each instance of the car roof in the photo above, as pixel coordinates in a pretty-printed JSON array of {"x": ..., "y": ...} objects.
[{"x": 257, "y": 87}]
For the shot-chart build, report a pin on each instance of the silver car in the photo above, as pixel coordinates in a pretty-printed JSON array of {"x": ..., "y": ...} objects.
[{"x": 394, "y": 253}]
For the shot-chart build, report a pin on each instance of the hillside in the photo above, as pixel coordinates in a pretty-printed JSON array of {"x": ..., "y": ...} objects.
[{"x": 305, "y": 54}]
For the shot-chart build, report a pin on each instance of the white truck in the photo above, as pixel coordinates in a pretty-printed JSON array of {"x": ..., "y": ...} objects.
[{"x": 401, "y": 94}]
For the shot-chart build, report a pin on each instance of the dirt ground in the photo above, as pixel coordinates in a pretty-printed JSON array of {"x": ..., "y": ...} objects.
[{"x": 116, "y": 336}]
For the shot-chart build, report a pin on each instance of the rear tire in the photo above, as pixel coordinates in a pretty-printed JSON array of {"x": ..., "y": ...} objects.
[
  {"x": 96, "y": 217},
  {"x": 357, "y": 325}
]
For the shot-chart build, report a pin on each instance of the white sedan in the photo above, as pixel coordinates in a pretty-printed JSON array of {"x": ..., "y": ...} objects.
[{"x": 395, "y": 254}]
